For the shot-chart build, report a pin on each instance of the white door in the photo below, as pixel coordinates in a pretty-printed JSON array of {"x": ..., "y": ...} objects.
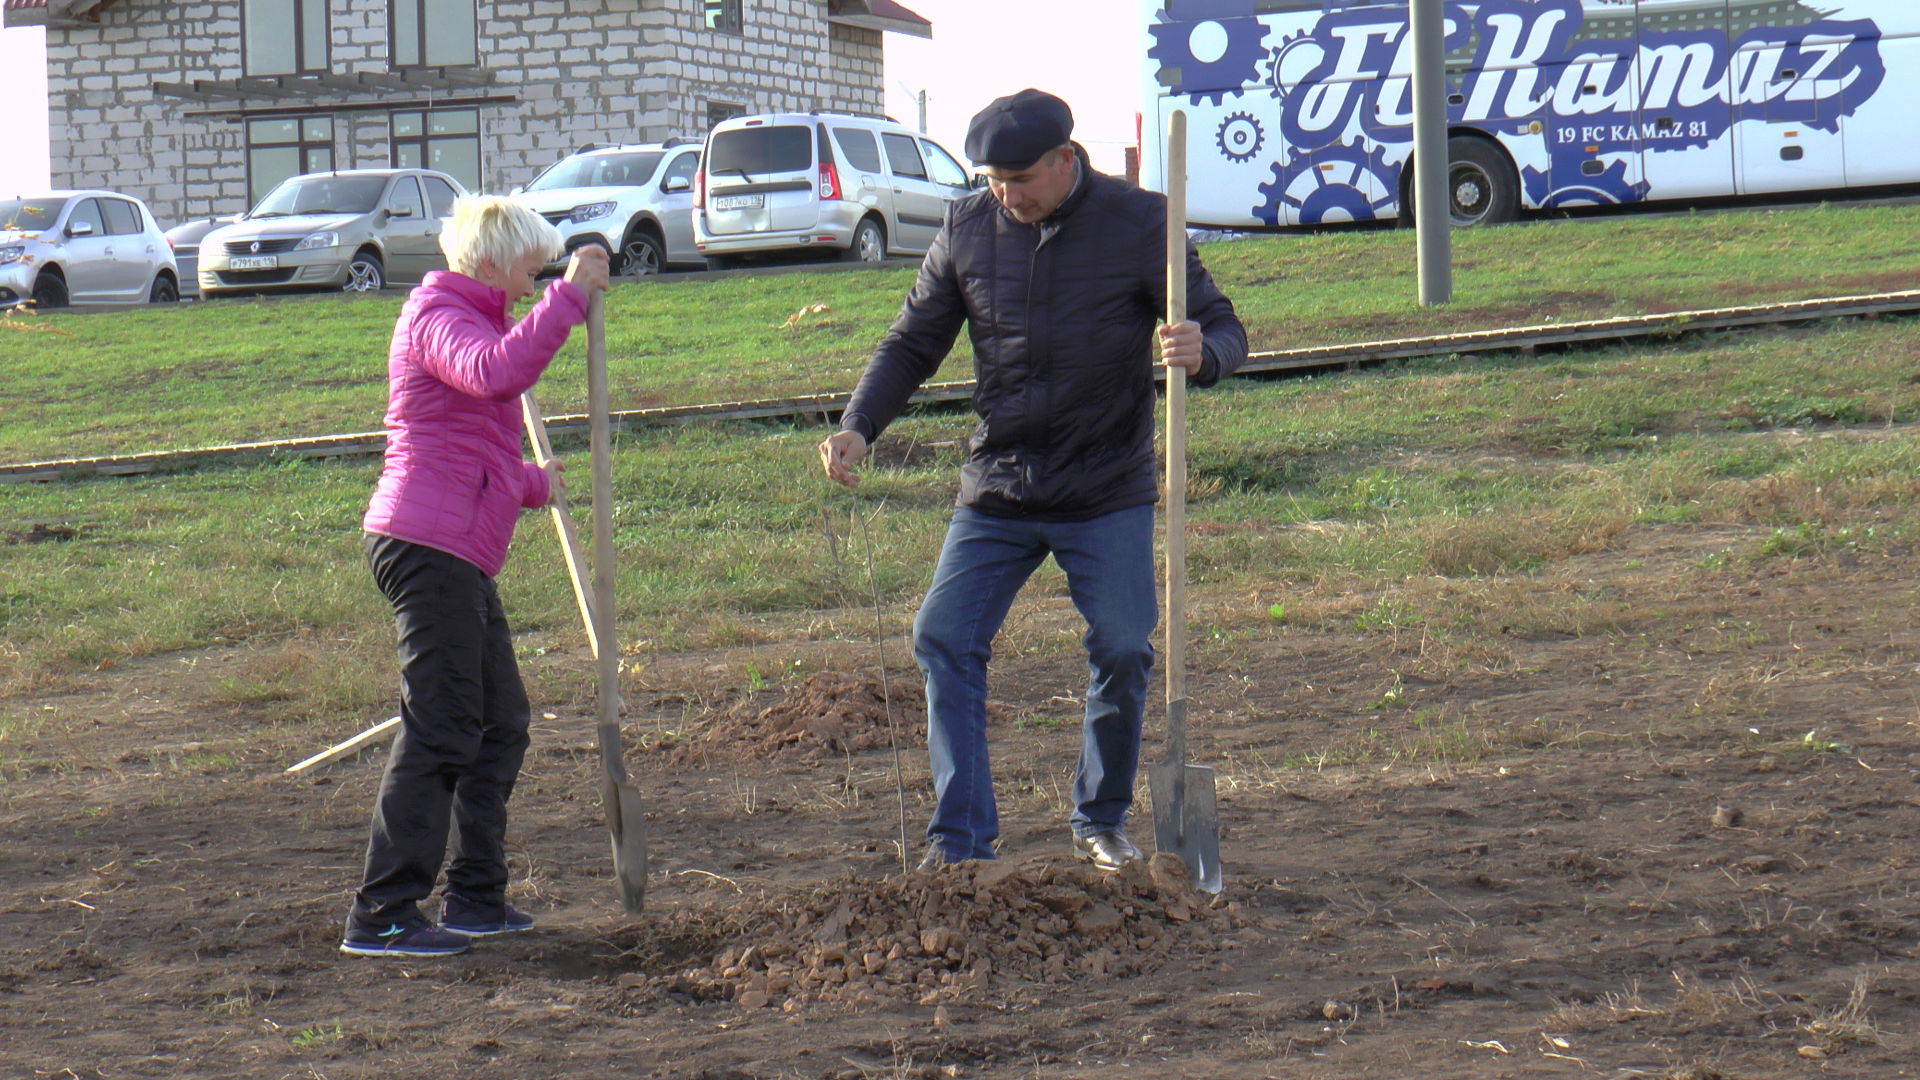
[
  {"x": 1685, "y": 142},
  {"x": 134, "y": 251},
  {"x": 863, "y": 179},
  {"x": 88, "y": 249},
  {"x": 919, "y": 204},
  {"x": 410, "y": 235},
  {"x": 675, "y": 206},
  {"x": 1787, "y": 137}
]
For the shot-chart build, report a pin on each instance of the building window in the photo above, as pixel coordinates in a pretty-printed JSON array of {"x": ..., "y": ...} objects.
[
  {"x": 277, "y": 149},
  {"x": 431, "y": 33},
  {"x": 285, "y": 37},
  {"x": 444, "y": 139},
  {"x": 723, "y": 110},
  {"x": 725, "y": 15}
]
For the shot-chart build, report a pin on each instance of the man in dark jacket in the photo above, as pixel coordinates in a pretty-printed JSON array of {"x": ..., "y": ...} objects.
[{"x": 1059, "y": 273}]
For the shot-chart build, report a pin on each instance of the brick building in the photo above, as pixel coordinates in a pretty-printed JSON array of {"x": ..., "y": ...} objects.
[{"x": 199, "y": 107}]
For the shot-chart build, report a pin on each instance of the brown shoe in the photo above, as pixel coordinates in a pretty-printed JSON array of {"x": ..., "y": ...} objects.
[{"x": 1108, "y": 849}]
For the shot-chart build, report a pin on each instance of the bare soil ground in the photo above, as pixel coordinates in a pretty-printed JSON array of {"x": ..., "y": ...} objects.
[{"x": 1677, "y": 846}]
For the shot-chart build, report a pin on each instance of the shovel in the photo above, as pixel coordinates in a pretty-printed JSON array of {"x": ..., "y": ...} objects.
[
  {"x": 1186, "y": 817},
  {"x": 625, "y": 822}
]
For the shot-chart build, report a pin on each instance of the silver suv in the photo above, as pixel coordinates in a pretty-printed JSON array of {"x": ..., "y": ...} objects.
[
  {"x": 83, "y": 247},
  {"x": 355, "y": 230},
  {"x": 851, "y": 186},
  {"x": 636, "y": 201}
]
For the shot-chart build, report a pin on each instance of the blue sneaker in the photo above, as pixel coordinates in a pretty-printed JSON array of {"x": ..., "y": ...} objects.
[
  {"x": 460, "y": 915},
  {"x": 411, "y": 937}
]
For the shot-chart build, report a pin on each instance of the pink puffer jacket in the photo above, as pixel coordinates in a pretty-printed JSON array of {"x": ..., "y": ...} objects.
[{"x": 455, "y": 478}]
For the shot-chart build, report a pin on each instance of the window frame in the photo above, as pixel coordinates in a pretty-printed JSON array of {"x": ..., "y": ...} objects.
[
  {"x": 864, "y": 143},
  {"x": 422, "y": 23},
  {"x": 297, "y": 9},
  {"x": 425, "y": 141},
  {"x": 302, "y": 146},
  {"x": 890, "y": 139},
  {"x": 732, "y": 16},
  {"x": 98, "y": 218}
]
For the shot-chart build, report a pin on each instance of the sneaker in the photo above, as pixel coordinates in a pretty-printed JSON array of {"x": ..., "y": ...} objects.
[
  {"x": 933, "y": 860},
  {"x": 412, "y": 937},
  {"x": 471, "y": 919},
  {"x": 1108, "y": 849}
]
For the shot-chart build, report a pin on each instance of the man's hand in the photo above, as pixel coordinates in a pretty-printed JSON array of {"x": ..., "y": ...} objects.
[
  {"x": 839, "y": 453},
  {"x": 588, "y": 267},
  {"x": 556, "y": 487},
  {"x": 1180, "y": 346}
]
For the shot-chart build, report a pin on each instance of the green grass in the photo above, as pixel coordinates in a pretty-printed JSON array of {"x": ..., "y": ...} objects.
[
  {"x": 241, "y": 370},
  {"x": 726, "y": 535},
  {"x": 1321, "y": 498}
]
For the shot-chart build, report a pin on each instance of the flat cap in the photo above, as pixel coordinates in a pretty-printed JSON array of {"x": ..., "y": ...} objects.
[{"x": 1014, "y": 131}]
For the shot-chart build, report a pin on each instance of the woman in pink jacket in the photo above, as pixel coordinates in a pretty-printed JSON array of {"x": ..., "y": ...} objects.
[{"x": 438, "y": 526}]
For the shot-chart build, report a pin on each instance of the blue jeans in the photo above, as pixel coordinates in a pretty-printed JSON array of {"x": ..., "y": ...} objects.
[{"x": 1109, "y": 565}]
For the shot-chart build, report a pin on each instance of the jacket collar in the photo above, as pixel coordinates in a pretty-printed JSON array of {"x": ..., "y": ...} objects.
[
  {"x": 477, "y": 294},
  {"x": 1082, "y": 181}
]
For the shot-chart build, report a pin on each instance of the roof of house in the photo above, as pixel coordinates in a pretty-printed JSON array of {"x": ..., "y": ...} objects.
[
  {"x": 878, "y": 15},
  {"x": 52, "y": 12}
]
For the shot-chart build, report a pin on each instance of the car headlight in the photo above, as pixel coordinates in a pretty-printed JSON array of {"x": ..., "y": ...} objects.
[
  {"x": 11, "y": 253},
  {"x": 593, "y": 211},
  {"x": 318, "y": 240}
]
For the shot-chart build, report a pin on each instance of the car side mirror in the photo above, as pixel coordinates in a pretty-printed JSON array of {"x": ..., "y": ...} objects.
[
  {"x": 978, "y": 181},
  {"x": 80, "y": 228},
  {"x": 677, "y": 183},
  {"x": 400, "y": 211}
]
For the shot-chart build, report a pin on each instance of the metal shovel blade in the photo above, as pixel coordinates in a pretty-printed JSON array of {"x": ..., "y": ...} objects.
[
  {"x": 1186, "y": 817},
  {"x": 625, "y": 827}
]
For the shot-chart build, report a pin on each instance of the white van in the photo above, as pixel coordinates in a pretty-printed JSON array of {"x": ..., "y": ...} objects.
[{"x": 845, "y": 185}]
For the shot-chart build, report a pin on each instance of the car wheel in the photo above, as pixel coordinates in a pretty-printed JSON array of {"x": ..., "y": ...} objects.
[
  {"x": 1481, "y": 188},
  {"x": 49, "y": 291},
  {"x": 641, "y": 255},
  {"x": 869, "y": 242},
  {"x": 164, "y": 291},
  {"x": 365, "y": 274}
]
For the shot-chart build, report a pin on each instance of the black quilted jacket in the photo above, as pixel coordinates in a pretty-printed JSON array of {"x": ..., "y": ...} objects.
[{"x": 1062, "y": 316}]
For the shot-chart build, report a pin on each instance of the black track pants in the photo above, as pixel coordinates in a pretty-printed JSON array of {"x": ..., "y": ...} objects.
[{"x": 463, "y": 735}]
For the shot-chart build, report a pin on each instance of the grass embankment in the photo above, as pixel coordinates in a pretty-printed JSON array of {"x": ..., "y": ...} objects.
[
  {"x": 243, "y": 370},
  {"x": 1431, "y": 498}
]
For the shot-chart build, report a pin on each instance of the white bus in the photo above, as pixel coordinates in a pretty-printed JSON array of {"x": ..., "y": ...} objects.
[{"x": 1300, "y": 112}]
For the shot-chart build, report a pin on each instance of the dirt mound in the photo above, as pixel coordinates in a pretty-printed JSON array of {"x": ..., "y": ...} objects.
[
  {"x": 957, "y": 933},
  {"x": 829, "y": 713}
]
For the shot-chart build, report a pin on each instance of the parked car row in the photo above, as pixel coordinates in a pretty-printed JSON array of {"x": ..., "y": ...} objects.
[{"x": 836, "y": 184}]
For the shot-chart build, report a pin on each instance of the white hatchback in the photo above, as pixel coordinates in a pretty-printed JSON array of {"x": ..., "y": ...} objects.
[
  {"x": 636, "y": 201},
  {"x": 83, "y": 247}
]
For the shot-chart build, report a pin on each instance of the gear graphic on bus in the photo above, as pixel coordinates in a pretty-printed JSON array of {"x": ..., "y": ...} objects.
[
  {"x": 1240, "y": 137},
  {"x": 1609, "y": 188},
  {"x": 1275, "y": 61},
  {"x": 1211, "y": 80},
  {"x": 1320, "y": 194}
]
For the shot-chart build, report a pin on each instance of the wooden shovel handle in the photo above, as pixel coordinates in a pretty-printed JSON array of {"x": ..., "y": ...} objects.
[
  {"x": 1176, "y": 443},
  {"x": 600, "y": 439},
  {"x": 562, "y": 520}
]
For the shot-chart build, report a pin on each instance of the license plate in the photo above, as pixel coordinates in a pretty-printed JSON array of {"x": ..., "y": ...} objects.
[
  {"x": 252, "y": 262},
  {"x": 739, "y": 202}
]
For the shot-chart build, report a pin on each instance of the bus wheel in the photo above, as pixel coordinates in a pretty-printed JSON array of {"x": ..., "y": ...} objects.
[{"x": 1481, "y": 186}]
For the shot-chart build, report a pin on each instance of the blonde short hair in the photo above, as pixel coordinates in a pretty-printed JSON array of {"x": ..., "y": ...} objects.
[{"x": 489, "y": 228}]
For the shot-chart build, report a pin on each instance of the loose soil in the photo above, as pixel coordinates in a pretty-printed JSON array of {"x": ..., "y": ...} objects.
[{"x": 1677, "y": 845}]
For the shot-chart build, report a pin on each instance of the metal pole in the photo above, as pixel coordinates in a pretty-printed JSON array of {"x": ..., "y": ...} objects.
[{"x": 1432, "y": 211}]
